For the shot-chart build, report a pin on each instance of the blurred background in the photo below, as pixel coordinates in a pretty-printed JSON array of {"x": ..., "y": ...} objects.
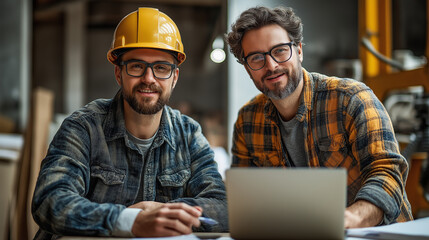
[
  {"x": 57, "y": 49},
  {"x": 61, "y": 45}
]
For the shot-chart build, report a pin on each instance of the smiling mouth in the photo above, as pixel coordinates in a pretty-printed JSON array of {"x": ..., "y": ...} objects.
[
  {"x": 274, "y": 77},
  {"x": 146, "y": 91}
]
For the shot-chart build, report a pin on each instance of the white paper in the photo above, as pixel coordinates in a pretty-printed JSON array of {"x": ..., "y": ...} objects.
[{"x": 417, "y": 229}]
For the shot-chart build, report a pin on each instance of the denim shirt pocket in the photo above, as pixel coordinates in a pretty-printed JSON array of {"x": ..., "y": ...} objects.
[
  {"x": 332, "y": 150},
  {"x": 172, "y": 185},
  {"x": 106, "y": 183}
]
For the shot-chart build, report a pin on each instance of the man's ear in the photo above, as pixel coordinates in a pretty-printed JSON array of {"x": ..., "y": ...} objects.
[
  {"x": 175, "y": 77},
  {"x": 118, "y": 72},
  {"x": 300, "y": 53}
]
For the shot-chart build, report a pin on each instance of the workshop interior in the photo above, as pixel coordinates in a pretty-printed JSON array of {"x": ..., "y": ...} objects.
[{"x": 53, "y": 56}]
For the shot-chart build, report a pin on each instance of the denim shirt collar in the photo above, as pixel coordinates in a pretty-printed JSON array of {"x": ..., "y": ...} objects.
[{"x": 114, "y": 123}]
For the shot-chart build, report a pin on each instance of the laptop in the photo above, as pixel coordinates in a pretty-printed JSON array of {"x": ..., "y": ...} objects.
[{"x": 279, "y": 203}]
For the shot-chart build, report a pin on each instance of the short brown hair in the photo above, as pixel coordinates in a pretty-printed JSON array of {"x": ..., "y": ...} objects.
[{"x": 257, "y": 17}]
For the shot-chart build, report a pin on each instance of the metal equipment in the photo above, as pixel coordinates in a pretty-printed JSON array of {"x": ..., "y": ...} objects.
[{"x": 394, "y": 84}]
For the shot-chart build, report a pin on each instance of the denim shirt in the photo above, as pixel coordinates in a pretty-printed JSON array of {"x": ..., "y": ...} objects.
[{"x": 92, "y": 172}]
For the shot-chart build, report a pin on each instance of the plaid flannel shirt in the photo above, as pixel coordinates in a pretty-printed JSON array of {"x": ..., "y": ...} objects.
[{"x": 345, "y": 126}]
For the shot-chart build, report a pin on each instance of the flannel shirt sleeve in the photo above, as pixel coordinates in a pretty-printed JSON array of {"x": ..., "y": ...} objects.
[
  {"x": 240, "y": 154},
  {"x": 383, "y": 169}
]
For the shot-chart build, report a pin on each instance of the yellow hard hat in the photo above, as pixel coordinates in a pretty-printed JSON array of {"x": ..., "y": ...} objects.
[{"x": 146, "y": 28}]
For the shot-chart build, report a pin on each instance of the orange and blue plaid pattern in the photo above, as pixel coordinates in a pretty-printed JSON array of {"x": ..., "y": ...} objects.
[{"x": 345, "y": 126}]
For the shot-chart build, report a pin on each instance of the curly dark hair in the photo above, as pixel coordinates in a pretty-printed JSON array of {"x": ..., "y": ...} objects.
[{"x": 257, "y": 17}]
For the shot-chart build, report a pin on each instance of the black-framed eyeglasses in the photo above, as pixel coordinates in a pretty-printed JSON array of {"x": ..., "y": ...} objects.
[
  {"x": 280, "y": 53},
  {"x": 137, "y": 68}
]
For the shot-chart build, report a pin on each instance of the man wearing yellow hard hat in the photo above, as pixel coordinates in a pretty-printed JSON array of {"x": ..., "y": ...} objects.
[{"x": 131, "y": 166}]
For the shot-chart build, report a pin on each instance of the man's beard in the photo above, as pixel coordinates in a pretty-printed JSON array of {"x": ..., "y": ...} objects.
[
  {"x": 142, "y": 107},
  {"x": 291, "y": 85}
]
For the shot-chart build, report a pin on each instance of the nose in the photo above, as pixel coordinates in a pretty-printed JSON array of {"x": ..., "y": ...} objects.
[
  {"x": 270, "y": 63},
  {"x": 148, "y": 76}
]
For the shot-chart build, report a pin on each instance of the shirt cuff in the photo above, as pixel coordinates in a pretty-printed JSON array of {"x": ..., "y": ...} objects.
[{"x": 125, "y": 222}]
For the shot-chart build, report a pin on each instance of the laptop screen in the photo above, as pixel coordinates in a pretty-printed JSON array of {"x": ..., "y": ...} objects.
[{"x": 297, "y": 203}]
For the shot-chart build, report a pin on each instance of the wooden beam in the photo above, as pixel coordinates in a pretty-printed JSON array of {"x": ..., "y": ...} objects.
[{"x": 382, "y": 84}]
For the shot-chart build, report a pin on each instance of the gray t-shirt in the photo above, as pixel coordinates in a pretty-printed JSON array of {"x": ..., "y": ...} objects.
[{"x": 293, "y": 141}]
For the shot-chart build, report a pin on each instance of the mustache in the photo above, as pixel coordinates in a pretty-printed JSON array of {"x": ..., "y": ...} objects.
[
  {"x": 151, "y": 87},
  {"x": 270, "y": 73}
]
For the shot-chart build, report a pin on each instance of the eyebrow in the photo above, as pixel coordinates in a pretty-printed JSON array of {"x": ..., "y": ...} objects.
[
  {"x": 271, "y": 48},
  {"x": 253, "y": 53}
]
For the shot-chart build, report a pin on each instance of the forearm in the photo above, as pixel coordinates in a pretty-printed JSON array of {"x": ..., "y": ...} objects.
[
  {"x": 378, "y": 196},
  {"x": 362, "y": 214}
]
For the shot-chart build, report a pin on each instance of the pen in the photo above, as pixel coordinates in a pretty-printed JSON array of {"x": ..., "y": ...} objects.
[{"x": 209, "y": 221}]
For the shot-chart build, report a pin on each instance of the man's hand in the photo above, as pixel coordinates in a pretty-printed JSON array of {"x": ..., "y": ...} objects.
[
  {"x": 362, "y": 214},
  {"x": 166, "y": 219}
]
